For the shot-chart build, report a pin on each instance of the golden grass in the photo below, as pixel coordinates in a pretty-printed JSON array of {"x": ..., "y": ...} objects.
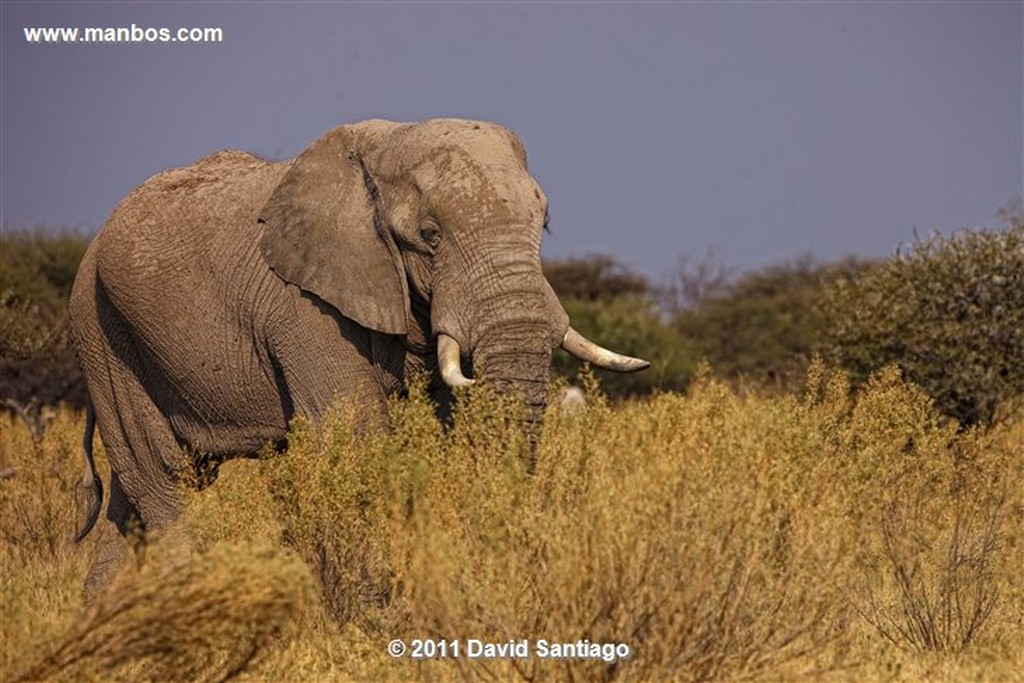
[{"x": 721, "y": 535}]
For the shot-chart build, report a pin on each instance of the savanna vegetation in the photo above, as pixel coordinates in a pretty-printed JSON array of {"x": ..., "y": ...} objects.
[
  {"x": 37, "y": 362},
  {"x": 820, "y": 478},
  {"x": 949, "y": 311},
  {"x": 821, "y": 535}
]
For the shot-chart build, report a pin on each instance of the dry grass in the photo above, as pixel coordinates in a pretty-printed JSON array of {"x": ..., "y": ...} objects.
[
  {"x": 207, "y": 618},
  {"x": 722, "y": 535}
]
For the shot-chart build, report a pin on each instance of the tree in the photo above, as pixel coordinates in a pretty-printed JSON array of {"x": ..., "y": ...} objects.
[
  {"x": 37, "y": 361},
  {"x": 949, "y": 311},
  {"x": 594, "y": 278},
  {"x": 765, "y": 325}
]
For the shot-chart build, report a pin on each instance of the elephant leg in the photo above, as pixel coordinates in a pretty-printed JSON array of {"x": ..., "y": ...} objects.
[
  {"x": 146, "y": 461},
  {"x": 114, "y": 549},
  {"x": 145, "y": 484}
]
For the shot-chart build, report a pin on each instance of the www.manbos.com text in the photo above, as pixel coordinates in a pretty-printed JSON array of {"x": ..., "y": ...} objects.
[{"x": 122, "y": 34}]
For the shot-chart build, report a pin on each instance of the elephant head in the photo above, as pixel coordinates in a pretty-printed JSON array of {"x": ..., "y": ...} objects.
[{"x": 382, "y": 220}]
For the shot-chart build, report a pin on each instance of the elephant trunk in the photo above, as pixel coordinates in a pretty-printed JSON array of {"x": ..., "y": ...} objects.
[
  {"x": 507, "y": 318},
  {"x": 515, "y": 363},
  {"x": 516, "y": 360},
  {"x": 508, "y": 325}
]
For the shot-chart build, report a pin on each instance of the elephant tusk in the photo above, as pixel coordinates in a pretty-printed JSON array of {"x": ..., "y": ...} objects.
[
  {"x": 586, "y": 350},
  {"x": 449, "y": 360}
]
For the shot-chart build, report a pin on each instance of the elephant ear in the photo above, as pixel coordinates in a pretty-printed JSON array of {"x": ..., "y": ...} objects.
[{"x": 321, "y": 233}]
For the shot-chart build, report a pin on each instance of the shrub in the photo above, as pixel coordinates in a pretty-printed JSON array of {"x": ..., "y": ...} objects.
[
  {"x": 721, "y": 535},
  {"x": 596, "y": 277},
  {"x": 37, "y": 361},
  {"x": 933, "y": 505},
  {"x": 39, "y": 266},
  {"x": 766, "y": 325},
  {"x": 949, "y": 311},
  {"x": 208, "y": 617}
]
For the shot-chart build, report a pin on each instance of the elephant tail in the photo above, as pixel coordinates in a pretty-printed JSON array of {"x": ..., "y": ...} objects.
[{"x": 91, "y": 486}]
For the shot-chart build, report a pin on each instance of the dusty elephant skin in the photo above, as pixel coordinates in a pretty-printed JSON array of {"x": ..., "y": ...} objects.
[{"x": 222, "y": 299}]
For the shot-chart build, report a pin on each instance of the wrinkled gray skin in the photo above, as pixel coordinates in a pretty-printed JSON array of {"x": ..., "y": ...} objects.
[{"x": 224, "y": 298}]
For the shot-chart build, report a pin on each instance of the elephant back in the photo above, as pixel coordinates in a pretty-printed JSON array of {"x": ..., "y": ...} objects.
[{"x": 181, "y": 224}]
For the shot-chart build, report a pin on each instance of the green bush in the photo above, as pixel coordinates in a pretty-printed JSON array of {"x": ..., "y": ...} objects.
[
  {"x": 596, "y": 277},
  {"x": 949, "y": 311},
  {"x": 37, "y": 270},
  {"x": 39, "y": 266},
  {"x": 765, "y": 325}
]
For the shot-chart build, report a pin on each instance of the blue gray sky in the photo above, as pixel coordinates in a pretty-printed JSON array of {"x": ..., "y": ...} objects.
[{"x": 759, "y": 130}]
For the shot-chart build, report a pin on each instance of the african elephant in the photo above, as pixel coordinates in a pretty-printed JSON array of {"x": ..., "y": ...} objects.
[{"x": 223, "y": 298}]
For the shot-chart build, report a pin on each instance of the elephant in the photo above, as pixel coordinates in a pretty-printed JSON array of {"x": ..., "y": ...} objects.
[{"x": 222, "y": 299}]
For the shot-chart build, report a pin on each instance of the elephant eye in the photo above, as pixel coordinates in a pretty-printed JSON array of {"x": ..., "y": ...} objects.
[{"x": 430, "y": 234}]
